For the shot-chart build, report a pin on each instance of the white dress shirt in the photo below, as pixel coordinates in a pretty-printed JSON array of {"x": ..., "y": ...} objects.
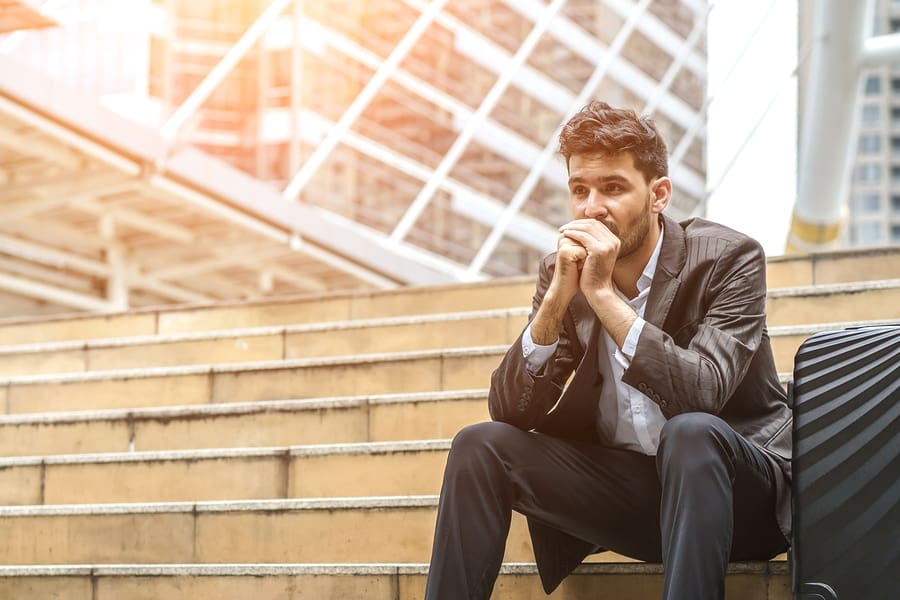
[{"x": 626, "y": 417}]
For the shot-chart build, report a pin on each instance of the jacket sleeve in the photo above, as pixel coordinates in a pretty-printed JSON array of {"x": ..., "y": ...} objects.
[
  {"x": 699, "y": 368},
  {"x": 516, "y": 396}
]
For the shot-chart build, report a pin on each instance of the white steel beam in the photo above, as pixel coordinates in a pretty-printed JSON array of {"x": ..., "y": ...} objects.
[
  {"x": 32, "y": 145},
  {"x": 829, "y": 123},
  {"x": 484, "y": 109},
  {"x": 296, "y": 85},
  {"x": 117, "y": 281},
  {"x": 19, "y": 210},
  {"x": 880, "y": 49},
  {"x": 65, "y": 280},
  {"x": 296, "y": 279},
  {"x": 24, "y": 249},
  {"x": 494, "y": 58},
  {"x": 523, "y": 229},
  {"x": 135, "y": 219},
  {"x": 663, "y": 36},
  {"x": 263, "y": 214},
  {"x": 582, "y": 43},
  {"x": 249, "y": 256},
  {"x": 68, "y": 137},
  {"x": 523, "y": 152},
  {"x": 34, "y": 289},
  {"x": 240, "y": 218},
  {"x": 419, "y": 255},
  {"x": 48, "y": 256},
  {"x": 527, "y": 187},
  {"x": 359, "y": 104},
  {"x": 177, "y": 269},
  {"x": 53, "y": 234},
  {"x": 492, "y": 135},
  {"x": 62, "y": 184},
  {"x": 166, "y": 290},
  {"x": 201, "y": 93},
  {"x": 678, "y": 62}
]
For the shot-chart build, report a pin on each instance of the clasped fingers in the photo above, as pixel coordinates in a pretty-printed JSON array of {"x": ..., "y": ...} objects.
[{"x": 597, "y": 241}]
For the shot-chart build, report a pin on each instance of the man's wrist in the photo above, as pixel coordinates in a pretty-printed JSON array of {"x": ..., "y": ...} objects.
[
  {"x": 602, "y": 296},
  {"x": 615, "y": 314},
  {"x": 545, "y": 326}
]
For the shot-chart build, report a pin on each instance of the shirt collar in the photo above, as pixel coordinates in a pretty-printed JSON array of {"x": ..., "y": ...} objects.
[{"x": 646, "y": 277}]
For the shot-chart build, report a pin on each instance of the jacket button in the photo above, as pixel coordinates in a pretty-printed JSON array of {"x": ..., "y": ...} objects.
[
  {"x": 642, "y": 387},
  {"x": 663, "y": 403}
]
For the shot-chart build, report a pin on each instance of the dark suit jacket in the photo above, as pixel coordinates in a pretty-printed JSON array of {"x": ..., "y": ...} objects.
[{"x": 704, "y": 348}]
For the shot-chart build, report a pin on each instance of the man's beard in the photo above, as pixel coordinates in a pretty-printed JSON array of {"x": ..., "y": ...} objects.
[{"x": 634, "y": 236}]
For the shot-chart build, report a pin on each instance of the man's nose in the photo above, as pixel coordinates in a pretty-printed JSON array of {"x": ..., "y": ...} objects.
[{"x": 596, "y": 206}]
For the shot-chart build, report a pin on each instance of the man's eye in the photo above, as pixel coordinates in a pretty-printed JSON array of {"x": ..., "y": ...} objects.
[
  {"x": 579, "y": 190},
  {"x": 614, "y": 188}
]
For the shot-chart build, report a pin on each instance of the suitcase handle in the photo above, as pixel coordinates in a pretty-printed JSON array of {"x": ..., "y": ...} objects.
[{"x": 816, "y": 591}]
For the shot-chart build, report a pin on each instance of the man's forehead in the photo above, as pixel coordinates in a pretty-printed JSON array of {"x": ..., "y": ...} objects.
[{"x": 580, "y": 164}]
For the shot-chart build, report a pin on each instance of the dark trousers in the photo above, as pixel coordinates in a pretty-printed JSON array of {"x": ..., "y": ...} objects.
[{"x": 707, "y": 497}]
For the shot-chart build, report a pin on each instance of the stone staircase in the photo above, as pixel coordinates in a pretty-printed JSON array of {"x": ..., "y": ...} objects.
[{"x": 293, "y": 449}]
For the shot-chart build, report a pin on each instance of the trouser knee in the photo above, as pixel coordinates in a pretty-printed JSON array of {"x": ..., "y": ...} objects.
[
  {"x": 692, "y": 441},
  {"x": 476, "y": 442}
]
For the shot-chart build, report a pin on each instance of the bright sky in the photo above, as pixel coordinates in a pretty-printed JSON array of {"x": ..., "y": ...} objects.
[{"x": 755, "y": 106}]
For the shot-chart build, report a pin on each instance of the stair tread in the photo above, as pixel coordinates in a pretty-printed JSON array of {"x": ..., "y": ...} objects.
[
  {"x": 362, "y": 448},
  {"x": 216, "y": 334},
  {"x": 777, "y": 565},
  {"x": 264, "y": 365},
  {"x": 236, "y": 408}
]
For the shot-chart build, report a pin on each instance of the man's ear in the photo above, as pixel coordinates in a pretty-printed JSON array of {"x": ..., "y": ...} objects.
[{"x": 661, "y": 192}]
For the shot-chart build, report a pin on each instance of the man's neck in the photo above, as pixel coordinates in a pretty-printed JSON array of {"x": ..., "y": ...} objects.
[{"x": 630, "y": 268}]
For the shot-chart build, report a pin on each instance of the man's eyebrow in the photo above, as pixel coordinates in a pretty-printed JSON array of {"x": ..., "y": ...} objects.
[{"x": 604, "y": 179}]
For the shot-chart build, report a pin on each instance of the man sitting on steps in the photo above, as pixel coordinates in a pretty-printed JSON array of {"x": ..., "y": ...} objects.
[{"x": 672, "y": 441}]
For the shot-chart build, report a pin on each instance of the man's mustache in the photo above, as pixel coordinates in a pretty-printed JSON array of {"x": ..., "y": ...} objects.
[{"x": 612, "y": 227}]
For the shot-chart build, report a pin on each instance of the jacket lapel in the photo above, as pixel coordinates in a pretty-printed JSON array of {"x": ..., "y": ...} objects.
[{"x": 672, "y": 257}]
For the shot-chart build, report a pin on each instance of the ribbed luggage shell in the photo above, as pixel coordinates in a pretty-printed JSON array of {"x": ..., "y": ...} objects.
[{"x": 846, "y": 466}]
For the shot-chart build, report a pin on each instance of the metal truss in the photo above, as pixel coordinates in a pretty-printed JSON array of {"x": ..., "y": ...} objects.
[{"x": 414, "y": 144}]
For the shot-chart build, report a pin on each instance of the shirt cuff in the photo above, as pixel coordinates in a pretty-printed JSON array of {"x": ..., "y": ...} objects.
[
  {"x": 623, "y": 355},
  {"x": 536, "y": 355}
]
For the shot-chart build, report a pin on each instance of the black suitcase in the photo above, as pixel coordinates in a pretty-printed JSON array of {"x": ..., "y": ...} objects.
[{"x": 846, "y": 466}]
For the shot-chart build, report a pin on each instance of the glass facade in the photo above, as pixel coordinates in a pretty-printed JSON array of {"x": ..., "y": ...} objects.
[
  {"x": 874, "y": 209},
  {"x": 440, "y": 151},
  {"x": 271, "y": 114}
]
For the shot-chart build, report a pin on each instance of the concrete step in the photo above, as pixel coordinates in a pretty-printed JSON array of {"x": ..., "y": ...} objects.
[
  {"x": 869, "y": 300},
  {"x": 379, "y": 418},
  {"x": 369, "y": 418},
  {"x": 823, "y": 268},
  {"x": 504, "y": 293},
  {"x": 364, "y": 336},
  {"x": 420, "y": 371},
  {"x": 841, "y": 266},
  {"x": 399, "y": 372},
  {"x": 788, "y": 307},
  {"x": 332, "y": 530},
  {"x": 334, "y": 470},
  {"x": 396, "y": 334},
  {"x": 396, "y": 529},
  {"x": 763, "y": 580},
  {"x": 364, "y": 418}
]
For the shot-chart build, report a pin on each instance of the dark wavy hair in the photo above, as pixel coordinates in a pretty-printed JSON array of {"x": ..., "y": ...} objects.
[{"x": 600, "y": 128}]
